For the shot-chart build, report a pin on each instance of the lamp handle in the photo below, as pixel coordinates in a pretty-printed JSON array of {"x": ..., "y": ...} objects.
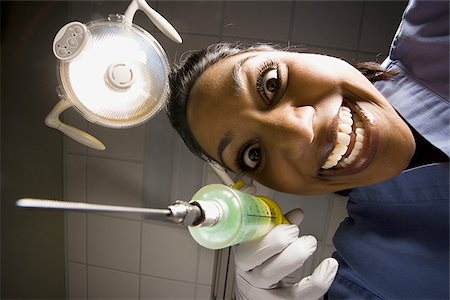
[
  {"x": 159, "y": 21},
  {"x": 78, "y": 135}
]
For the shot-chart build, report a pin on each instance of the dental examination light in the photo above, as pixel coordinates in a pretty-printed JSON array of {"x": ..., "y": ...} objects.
[{"x": 112, "y": 71}]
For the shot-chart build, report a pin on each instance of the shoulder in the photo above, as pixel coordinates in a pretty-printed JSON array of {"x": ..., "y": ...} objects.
[{"x": 421, "y": 45}]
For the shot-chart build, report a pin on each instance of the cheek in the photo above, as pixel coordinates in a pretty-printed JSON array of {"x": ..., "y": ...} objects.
[{"x": 281, "y": 175}]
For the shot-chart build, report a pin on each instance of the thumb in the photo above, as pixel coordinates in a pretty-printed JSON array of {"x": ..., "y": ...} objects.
[
  {"x": 295, "y": 216},
  {"x": 316, "y": 285}
]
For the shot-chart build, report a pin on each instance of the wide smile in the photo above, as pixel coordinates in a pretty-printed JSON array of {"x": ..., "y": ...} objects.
[{"x": 354, "y": 142}]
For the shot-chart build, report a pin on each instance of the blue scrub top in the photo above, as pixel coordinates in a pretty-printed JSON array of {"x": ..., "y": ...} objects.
[{"x": 395, "y": 242}]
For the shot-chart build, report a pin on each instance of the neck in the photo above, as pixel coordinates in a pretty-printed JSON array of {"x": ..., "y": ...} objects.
[{"x": 425, "y": 152}]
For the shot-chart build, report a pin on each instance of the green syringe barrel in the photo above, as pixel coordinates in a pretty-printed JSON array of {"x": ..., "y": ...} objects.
[{"x": 237, "y": 216}]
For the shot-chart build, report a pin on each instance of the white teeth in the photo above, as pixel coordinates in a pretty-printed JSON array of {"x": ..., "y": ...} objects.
[
  {"x": 346, "y": 120},
  {"x": 369, "y": 117},
  {"x": 358, "y": 145},
  {"x": 340, "y": 149},
  {"x": 334, "y": 157},
  {"x": 345, "y": 128},
  {"x": 345, "y": 117},
  {"x": 343, "y": 138}
]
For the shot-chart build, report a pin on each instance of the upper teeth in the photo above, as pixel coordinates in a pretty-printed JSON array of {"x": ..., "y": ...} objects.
[{"x": 346, "y": 120}]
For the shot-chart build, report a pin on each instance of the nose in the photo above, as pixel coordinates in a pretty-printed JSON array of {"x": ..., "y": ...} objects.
[{"x": 290, "y": 129}]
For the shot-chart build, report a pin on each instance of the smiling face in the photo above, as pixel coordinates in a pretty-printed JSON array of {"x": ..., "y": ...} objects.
[{"x": 298, "y": 123}]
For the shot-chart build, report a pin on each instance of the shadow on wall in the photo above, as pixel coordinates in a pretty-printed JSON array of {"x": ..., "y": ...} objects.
[{"x": 32, "y": 264}]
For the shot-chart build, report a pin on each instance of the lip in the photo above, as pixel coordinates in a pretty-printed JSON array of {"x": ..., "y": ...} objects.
[{"x": 370, "y": 145}]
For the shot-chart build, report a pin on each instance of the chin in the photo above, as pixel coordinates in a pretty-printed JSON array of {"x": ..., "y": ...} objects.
[{"x": 383, "y": 173}]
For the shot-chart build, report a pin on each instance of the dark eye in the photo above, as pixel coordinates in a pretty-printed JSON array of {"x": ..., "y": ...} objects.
[
  {"x": 249, "y": 157},
  {"x": 268, "y": 83}
]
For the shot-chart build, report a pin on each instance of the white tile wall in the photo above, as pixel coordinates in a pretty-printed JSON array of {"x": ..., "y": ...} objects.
[
  {"x": 125, "y": 143},
  {"x": 103, "y": 8},
  {"x": 187, "y": 172},
  {"x": 203, "y": 292},
  {"x": 111, "y": 284},
  {"x": 247, "y": 19},
  {"x": 205, "y": 268},
  {"x": 328, "y": 23},
  {"x": 113, "y": 243},
  {"x": 76, "y": 237},
  {"x": 169, "y": 252},
  {"x": 75, "y": 177},
  {"x": 111, "y": 256},
  {"x": 189, "y": 16},
  {"x": 376, "y": 34},
  {"x": 76, "y": 287},
  {"x": 115, "y": 182},
  {"x": 157, "y": 288}
]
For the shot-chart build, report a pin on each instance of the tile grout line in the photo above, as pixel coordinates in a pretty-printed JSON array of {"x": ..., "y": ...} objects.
[
  {"x": 222, "y": 22},
  {"x": 142, "y": 218},
  {"x": 141, "y": 234},
  {"x": 291, "y": 24},
  {"x": 361, "y": 23}
]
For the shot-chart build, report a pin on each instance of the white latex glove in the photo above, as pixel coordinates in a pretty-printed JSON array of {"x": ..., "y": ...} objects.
[{"x": 262, "y": 264}]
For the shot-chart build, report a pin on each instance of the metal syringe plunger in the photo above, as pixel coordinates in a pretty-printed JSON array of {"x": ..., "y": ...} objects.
[
  {"x": 196, "y": 213},
  {"x": 184, "y": 213}
]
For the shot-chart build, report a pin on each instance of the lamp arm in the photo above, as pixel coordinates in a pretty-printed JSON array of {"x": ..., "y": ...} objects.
[
  {"x": 78, "y": 135},
  {"x": 159, "y": 21}
]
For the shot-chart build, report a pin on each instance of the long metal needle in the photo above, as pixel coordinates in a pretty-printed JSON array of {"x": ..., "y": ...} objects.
[{"x": 54, "y": 204}]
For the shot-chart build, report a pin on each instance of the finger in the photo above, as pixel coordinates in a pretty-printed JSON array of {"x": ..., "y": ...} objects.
[
  {"x": 310, "y": 288},
  {"x": 295, "y": 216},
  {"x": 250, "y": 254},
  {"x": 316, "y": 285},
  {"x": 279, "y": 266}
]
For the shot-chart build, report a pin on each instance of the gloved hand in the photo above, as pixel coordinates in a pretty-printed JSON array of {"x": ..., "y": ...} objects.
[{"x": 262, "y": 264}]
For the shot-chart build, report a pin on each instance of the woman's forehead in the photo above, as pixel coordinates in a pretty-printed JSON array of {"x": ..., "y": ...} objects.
[
  {"x": 212, "y": 103},
  {"x": 223, "y": 72}
]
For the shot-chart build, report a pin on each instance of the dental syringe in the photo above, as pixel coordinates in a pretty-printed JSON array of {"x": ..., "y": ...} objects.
[
  {"x": 218, "y": 216},
  {"x": 181, "y": 212}
]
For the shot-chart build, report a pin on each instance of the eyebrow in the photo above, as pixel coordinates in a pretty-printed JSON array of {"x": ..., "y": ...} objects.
[
  {"x": 236, "y": 74},
  {"x": 224, "y": 142}
]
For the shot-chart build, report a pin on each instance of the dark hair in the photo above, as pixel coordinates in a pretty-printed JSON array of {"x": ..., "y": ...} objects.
[
  {"x": 374, "y": 71},
  {"x": 184, "y": 76}
]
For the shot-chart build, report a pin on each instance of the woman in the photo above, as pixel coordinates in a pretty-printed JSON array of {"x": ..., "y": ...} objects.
[{"x": 307, "y": 124}]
